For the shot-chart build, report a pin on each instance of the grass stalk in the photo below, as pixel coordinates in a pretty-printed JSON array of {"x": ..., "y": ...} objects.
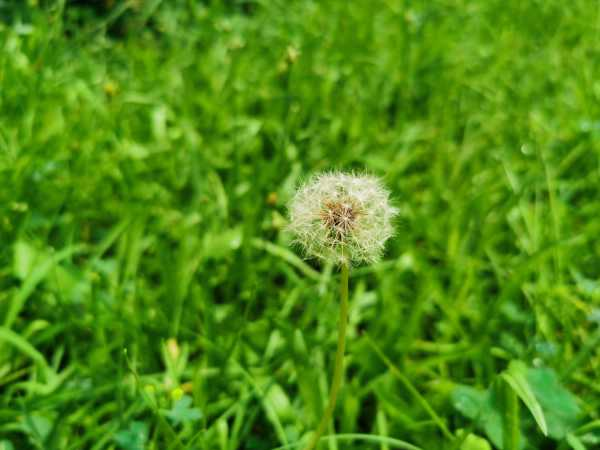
[{"x": 512, "y": 432}]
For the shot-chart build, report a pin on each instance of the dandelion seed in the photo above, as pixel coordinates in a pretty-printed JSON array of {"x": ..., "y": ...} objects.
[{"x": 340, "y": 217}]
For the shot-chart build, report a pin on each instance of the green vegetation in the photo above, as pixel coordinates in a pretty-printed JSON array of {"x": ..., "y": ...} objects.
[{"x": 149, "y": 298}]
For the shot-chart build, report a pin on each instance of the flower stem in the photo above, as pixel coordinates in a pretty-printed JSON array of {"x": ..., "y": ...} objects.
[{"x": 339, "y": 359}]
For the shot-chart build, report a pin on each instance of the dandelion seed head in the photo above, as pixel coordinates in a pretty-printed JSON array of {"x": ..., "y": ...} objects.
[{"x": 342, "y": 217}]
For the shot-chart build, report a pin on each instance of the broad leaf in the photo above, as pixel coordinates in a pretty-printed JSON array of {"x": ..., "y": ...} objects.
[
  {"x": 553, "y": 407},
  {"x": 6, "y": 445},
  {"x": 473, "y": 442},
  {"x": 559, "y": 405},
  {"x": 482, "y": 407},
  {"x": 133, "y": 438},
  {"x": 183, "y": 412}
]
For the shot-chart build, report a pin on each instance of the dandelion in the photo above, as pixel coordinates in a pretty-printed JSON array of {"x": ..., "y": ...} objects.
[{"x": 344, "y": 218}]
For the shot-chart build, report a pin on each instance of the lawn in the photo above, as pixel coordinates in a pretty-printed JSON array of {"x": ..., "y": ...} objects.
[{"x": 151, "y": 297}]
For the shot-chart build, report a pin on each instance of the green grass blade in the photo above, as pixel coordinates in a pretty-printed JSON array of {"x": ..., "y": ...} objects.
[
  {"x": 412, "y": 390},
  {"x": 24, "y": 347},
  {"x": 370, "y": 438},
  {"x": 516, "y": 378},
  {"x": 37, "y": 276}
]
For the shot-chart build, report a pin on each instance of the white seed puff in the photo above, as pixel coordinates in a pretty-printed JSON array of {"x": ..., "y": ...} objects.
[{"x": 342, "y": 217}]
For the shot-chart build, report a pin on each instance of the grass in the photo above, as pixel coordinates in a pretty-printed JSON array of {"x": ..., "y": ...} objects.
[{"x": 149, "y": 297}]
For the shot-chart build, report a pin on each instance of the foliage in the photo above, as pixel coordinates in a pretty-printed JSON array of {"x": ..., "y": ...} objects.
[
  {"x": 148, "y": 150},
  {"x": 555, "y": 410}
]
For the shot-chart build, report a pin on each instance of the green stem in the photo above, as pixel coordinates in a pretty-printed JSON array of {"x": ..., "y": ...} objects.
[{"x": 339, "y": 359}]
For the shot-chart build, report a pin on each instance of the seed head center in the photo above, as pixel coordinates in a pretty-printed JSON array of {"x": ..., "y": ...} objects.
[{"x": 339, "y": 217}]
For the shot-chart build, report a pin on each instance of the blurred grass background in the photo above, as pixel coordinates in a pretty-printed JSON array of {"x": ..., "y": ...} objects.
[{"x": 148, "y": 149}]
